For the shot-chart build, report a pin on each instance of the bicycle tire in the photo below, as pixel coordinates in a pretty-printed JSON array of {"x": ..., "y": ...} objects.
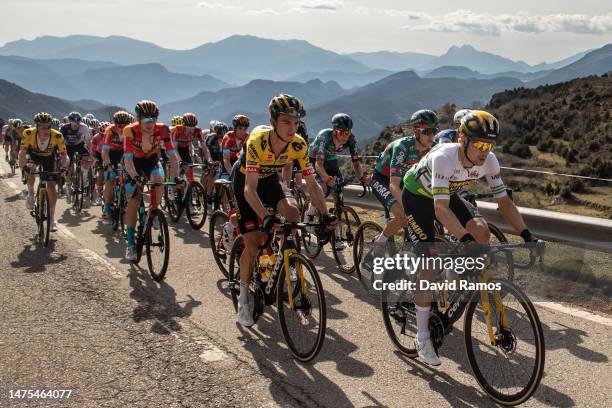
[
  {"x": 44, "y": 218},
  {"x": 358, "y": 251},
  {"x": 233, "y": 270},
  {"x": 115, "y": 210},
  {"x": 175, "y": 208},
  {"x": 307, "y": 266},
  {"x": 215, "y": 235},
  {"x": 539, "y": 359},
  {"x": 341, "y": 261},
  {"x": 77, "y": 190},
  {"x": 198, "y": 200},
  {"x": 159, "y": 274}
]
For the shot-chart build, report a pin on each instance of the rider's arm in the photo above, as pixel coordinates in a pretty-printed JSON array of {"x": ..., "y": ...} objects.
[
  {"x": 170, "y": 152},
  {"x": 286, "y": 173},
  {"x": 511, "y": 215},
  {"x": 108, "y": 135},
  {"x": 128, "y": 152},
  {"x": 61, "y": 147},
  {"x": 315, "y": 192},
  {"x": 355, "y": 157},
  {"x": 226, "y": 155},
  {"x": 320, "y": 168},
  {"x": 395, "y": 186}
]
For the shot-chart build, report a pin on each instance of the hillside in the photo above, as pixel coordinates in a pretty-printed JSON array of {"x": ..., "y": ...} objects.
[{"x": 563, "y": 128}]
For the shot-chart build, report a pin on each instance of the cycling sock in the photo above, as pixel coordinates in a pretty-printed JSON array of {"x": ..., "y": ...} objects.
[
  {"x": 31, "y": 190},
  {"x": 107, "y": 208},
  {"x": 131, "y": 232},
  {"x": 244, "y": 293},
  {"x": 422, "y": 317}
]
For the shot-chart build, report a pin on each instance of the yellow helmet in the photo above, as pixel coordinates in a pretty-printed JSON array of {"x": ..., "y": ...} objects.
[
  {"x": 479, "y": 124},
  {"x": 177, "y": 120}
]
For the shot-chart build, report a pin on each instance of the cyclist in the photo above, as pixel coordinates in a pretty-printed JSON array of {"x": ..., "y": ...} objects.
[
  {"x": 40, "y": 143},
  {"x": 213, "y": 154},
  {"x": 429, "y": 194},
  {"x": 56, "y": 123},
  {"x": 256, "y": 181},
  {"x": 13, "y": 138},
  {"x": 322, "y": 153},
  {"x": 76, "y": 136},
  {"x": 95, "y": 152},
  {"x": 392, "y": 164},
  {"x": 183, "y": 134},
  {"x": 112, "y": 152},
  {"x": 233, "y": 141},
  {"x": 450, "y": 135},
  {"x": 141, "y": 146}
]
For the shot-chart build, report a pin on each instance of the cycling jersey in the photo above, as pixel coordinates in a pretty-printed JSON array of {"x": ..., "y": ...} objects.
[
  {"x": 398, "y": 157},
  {"x": 441, "y": 173},
  {"x": 29, "y": 143},
  {"x": 133, "y": 145},
  {"x": 113, "y": 139},
  {"x": 445, "y": 136},
  {"x": 260, "y": 158},
  {"x": 323, "y": 147},
  {"x": 213, "y": 142},
  {"x": 96, "y": 144},
  {"x": 75, "y": 137},
  {"x": 232, "y": 145},
  {"x": 182, "y": 137}
]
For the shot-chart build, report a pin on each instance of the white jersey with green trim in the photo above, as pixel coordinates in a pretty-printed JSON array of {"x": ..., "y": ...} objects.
[{"x": 449, "y": 175}]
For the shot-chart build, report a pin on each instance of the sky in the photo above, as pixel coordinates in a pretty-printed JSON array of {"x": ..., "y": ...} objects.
[{"x": 533, "y": 31}]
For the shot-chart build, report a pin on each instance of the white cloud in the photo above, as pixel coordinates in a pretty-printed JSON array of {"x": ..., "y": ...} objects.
[
  {"x": 218, "y": 6},
  {"x": 303, "y": 6},
  {"x": 495, "y": 24},
  {"x": 364, "y": 11},
  {"x": 263, "y": 12}
]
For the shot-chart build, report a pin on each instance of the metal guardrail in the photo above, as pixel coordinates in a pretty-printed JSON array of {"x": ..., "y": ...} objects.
[{"x": 588, "y": 232}]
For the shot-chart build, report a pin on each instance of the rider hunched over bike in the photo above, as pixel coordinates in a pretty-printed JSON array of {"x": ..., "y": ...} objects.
[
  {"x": 256, "y": 181},
  {"x": 430, "y": 193}
]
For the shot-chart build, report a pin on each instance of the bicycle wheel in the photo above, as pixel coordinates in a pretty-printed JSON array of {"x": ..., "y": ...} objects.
[
  {"x": 308, "y": 236},
  {"x": 197, "y": 211},
  {"x": 175, "y": 206},
  {"x": 303, "y": 324},
  {"x": 399, "y": 316},
  {"x": 364, "y": 241},
  {"x": 122, "y": 208},
  {"x": 91, "y": 185},
  {"x": 301, "y": 200},
  {"x": 157, "y": 242},
  {"x": 343, "y": 253},
  {"x": 215, "y": 234},
  {"x": 115, "y": 210},
  {"x": 233, "y": 272},
  {"x": 44, "y": 217},
  {"x": 77, "y": 189},
  {"x": 517, "y": 358}
]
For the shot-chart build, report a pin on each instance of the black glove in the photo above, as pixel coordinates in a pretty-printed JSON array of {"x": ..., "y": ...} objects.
[
  {"x": 268, "y": 221},
  {"x": 538, "y": 244},
  {"x": 470, "y": 248}
]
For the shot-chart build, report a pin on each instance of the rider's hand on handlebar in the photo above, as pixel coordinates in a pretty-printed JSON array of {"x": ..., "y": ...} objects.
[
  {"x": 330, "y": 180},
  {"x": 136, "y": 180},
  {"x": 538, "y": 244},
  {"x": 366, "y": 179},
  {"x": 268, "y": 222},
  {"x": 470, "y": 248},
  {"x": 330, "y": 221}
]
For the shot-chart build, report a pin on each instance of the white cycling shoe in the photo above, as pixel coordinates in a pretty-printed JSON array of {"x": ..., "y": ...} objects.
[{"x": 426, "y": 352}]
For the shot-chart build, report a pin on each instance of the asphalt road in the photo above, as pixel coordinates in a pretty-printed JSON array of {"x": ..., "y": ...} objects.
[{"x": 76, "y": 315}]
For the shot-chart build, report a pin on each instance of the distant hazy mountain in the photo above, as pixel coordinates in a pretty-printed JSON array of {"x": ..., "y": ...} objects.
[
  {"x": 596, "y": 62},
  {"x": 17, "y": 102},
  {"x": 37, "y": 77},
  {"x": 251, "y": 99},
  {"x": 126, "y": 85},
  {"x": 469, "y": 57},
  {"x": 394, "y": 98},
  {"x": 559, "y": 64},
  {"x": 392, "y": 61},
  {"x": 345, "y": 79},
  {"x": 121, "y": 50},
  {"x": 466, "y": 73}
]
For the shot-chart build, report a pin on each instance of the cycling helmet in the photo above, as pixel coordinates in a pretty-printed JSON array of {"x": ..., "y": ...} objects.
[
  {"x": 459, "y": 115},
  {"x": 122, "y": 118},
  {"x": 89, "y": 116},
  {"x": 177, "y": 120},
  {"x": 147, "y": 109},
  {"x": 103, "y": 127},
  {"x": 94, "y": 124},
  {"x": 41, "y": 117},
  {"x": 480, "y": 125},
  {"x": 17, "y": 123},
  {"x": 220, "y": 128},
  {"x": 302, "y": 131},
  {"x": 190, "y": 120},
  {"x": 74, "y": 117},
  {"x": 241, "y": 120},
  {"x": 65, "y": 119},
  {"x": 55, "y": 123},
  {"x": 424, "y": 118},
  {"x": 287, "y": 104},
  {"x": 342, "y": 121}
]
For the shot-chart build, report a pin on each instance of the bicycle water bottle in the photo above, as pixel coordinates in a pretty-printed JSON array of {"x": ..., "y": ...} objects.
[{"x": 265, "y": 266}]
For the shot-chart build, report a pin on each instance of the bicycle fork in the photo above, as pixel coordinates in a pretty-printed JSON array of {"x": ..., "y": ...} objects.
[{"x": 486, "y": 307}]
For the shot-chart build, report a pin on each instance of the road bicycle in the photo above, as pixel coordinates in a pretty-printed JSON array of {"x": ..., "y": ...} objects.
[
  {"x": 42, "y": 206},
  {"x": 191, "y": 198}
]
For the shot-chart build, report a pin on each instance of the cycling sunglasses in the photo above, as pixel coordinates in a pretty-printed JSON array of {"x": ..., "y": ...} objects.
[
  {"x": 344, "y": 132},
  {"x": 483, "y": 146},
  {"x": 45, "y": 127}
]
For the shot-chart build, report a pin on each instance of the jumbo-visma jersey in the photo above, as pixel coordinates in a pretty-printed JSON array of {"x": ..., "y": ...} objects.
[
  {"x": 30, "y": 143},
  {"x": 260, "y": 158}
]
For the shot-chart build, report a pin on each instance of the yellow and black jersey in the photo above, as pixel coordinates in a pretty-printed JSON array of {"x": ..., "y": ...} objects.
[
  {"x": 260, "y": 158},
  {"x": 29, "y": 142}
]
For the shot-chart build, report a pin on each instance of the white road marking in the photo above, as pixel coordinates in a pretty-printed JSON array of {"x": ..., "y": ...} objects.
[
  {"x": 211, "y": 352},
  {"x": 577, "y": 312}
]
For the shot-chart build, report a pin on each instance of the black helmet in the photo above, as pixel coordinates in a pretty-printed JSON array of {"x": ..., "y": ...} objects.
[
  {"x": 75, "y": 117},
  {"x": 42, "y": 117},
  {"x": 342, "y": 121},
  {"x": 287, "y": 104},
  {"x": 424, "y": 118}
]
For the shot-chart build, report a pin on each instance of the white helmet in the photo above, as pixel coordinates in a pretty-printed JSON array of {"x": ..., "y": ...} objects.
[{"x": 459, "y": 115}]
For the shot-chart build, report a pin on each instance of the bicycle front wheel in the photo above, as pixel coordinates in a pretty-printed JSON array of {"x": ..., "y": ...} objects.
[
  {"x": 309, "y": 239},
  {"x": 215, "y": 234},
  {"x": 302, "y": 321},
  {"x": 509, "y": 370},
  {"x": 157, "y": 241},
  {"x": 342, "y": 242},
  {"x": 77, "y": 189},
  {"x": 44, "y": 217},
  {"x": 197, "y": 211},
  {"x": 364, "y": 242}
]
